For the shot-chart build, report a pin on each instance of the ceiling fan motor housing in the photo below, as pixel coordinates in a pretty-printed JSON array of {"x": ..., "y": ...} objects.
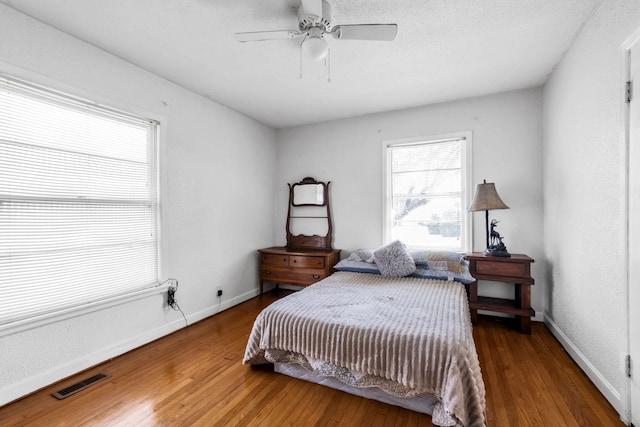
[{"x": 306, "y": 20}]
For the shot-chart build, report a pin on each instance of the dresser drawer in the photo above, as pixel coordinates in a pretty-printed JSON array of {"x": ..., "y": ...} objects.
[
  {"x": 272, "y": 259},
  {"x": 502, "y": 268},
  {"x": 306, "y": 261},
  {"x": 295, "y": 276}
]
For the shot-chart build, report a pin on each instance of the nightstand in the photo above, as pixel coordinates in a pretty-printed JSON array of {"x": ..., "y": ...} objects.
[{"x": 514, "y": 270}]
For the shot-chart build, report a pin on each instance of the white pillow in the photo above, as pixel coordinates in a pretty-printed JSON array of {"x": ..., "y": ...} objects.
[{"x": 394, "y": 260}]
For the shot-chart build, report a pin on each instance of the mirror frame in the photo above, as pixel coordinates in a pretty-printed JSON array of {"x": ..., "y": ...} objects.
[
  {"x": 311, "y": 182},
  {"x": 302, "y": 241}
]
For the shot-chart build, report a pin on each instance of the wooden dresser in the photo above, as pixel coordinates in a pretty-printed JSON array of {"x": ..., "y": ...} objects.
[
  {"x": 302, "y": 267},
  {"x": 307, "y": 258}
]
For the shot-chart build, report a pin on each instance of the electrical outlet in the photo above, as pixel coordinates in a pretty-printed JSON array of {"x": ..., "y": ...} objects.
[{"x": 219, "y": 293}]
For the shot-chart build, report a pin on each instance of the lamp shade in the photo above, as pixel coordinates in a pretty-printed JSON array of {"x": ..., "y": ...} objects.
[{"x": 486, "y": 198}]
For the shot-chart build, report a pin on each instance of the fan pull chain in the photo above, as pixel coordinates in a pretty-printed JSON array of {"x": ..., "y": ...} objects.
[{"x": 305, "y": 37}]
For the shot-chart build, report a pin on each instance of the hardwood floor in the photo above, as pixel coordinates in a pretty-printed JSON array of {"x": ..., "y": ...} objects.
[{"x": 194, "y": 377}]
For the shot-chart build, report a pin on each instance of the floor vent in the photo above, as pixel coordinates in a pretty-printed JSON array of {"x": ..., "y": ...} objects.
[{"x": 79, "y": 386}]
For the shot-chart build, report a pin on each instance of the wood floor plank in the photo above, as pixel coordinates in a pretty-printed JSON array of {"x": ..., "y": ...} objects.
[{"x": 194, "y": 377}]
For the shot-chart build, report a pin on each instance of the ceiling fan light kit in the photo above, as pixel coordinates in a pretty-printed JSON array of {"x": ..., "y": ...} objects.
[
  {"x": 314, "y": 22},
  {"x": 315, "y": 48}
]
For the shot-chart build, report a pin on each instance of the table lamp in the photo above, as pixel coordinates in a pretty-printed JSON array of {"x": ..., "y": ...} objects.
[{"x": 487, "y": 199}]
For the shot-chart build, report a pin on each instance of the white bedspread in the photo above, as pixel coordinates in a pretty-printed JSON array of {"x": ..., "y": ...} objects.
[{"x": 407, "y": 336}]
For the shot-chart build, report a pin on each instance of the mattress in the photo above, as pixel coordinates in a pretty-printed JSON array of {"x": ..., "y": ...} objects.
[{"x": 406, "y": 336}]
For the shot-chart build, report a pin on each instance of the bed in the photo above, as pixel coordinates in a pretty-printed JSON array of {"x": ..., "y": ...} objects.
[{"x": 403, "y": 340}]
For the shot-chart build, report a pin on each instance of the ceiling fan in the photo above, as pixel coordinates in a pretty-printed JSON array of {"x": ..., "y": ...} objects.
[{"x": 314, "y": 23}]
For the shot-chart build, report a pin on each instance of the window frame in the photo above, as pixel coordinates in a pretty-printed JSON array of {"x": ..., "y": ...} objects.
[
  {"x": 466, "y": 229},
  {"x": 54, "y": 88}
]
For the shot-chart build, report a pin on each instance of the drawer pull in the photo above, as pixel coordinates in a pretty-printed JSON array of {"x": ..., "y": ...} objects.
[
  {"x": 267, "y": 272},
  {"x": 316, "y": 276}
]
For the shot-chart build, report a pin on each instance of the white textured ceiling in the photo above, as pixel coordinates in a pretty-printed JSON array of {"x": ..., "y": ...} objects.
[{"x": 444, "y": 50}]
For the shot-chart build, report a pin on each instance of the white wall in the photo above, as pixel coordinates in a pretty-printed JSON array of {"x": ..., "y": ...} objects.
[
  {"x": 584, "y": 167},
  {"x": 212, "y": 227},
  {"x": 507, "y": 149}
]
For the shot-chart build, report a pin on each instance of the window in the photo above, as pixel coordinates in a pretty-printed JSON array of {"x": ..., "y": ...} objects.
[
  {"x": 427, "y": 186},
  {"x": 78, "y": 202}
]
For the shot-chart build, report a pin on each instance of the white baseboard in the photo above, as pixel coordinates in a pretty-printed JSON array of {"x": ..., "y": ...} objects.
[{"x": 606, "y": 388}]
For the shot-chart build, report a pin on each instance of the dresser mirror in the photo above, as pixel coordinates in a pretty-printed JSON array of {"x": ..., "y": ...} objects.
[
  {"x": 310, "y": 211},
  {"x": 308, "y": 193}
]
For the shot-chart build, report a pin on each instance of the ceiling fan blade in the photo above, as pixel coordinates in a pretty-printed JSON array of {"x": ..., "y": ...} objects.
[
  {"x": 381, "y": 32},
  {"x": 312, "y": 7},
  {"x": 256, "y": 36}
]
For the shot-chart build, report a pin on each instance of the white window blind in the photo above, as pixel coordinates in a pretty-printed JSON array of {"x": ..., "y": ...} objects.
[
  {"x": 78, "y": 202},
  {"x": 427, "y": 193}
]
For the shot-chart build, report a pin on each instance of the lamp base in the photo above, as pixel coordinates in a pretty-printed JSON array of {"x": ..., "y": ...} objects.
[{"x": 497, "y": 250}]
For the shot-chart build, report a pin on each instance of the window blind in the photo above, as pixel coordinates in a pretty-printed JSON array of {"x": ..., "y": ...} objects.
[
  {"x": 427, "y": 192},
  {"x": 78, "y": 202}
]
